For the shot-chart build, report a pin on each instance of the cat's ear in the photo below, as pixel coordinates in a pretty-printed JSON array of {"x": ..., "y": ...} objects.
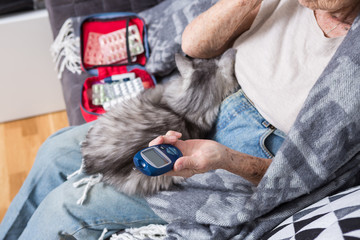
[
  {"x": 227, "y": 59},
  {"x": 184, "y": 66}
]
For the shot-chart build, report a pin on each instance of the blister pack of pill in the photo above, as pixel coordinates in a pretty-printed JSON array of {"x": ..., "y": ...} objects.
[
  {"x": 98, "y": 94},
  {"x": 93, "y": 54},
  {"x": 105, "y": 49},
  {"x": 113, "y": 45},
  {"x": 122, "y": 91},
  {"x": 109, "y": 94}
]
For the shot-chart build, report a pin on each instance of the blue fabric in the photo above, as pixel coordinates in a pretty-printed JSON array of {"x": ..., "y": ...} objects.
[
  {"x": 46, "y": 204},
  {"x": 241, "y": 127}
]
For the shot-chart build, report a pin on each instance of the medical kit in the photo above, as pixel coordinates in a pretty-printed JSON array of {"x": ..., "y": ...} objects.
[{"x": 114, "y": 51}]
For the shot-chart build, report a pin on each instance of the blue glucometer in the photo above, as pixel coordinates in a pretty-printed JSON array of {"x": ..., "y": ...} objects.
[{"x": 156, "y": 160}]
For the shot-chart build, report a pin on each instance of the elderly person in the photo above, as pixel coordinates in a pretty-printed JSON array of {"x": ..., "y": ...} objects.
[
  {"x": 283, "y": 46},
  {"x": 287, "y": 45},
  {"x": 282, "y": 50}
]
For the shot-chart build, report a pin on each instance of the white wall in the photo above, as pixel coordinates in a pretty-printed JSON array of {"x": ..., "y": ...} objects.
[{"x": 28, "y": 82}]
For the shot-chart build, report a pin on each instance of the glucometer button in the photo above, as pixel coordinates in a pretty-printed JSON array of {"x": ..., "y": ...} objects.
[
  {"x": 171, "y": 151},
  {"x": 140, "y": 163},
  {"x": 162, "y": 148}
]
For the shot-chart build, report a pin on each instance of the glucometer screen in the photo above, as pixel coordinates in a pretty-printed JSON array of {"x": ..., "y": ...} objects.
[{"x": 155, "y": 158}]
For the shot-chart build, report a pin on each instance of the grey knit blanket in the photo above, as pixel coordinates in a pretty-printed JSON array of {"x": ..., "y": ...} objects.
[{"x": 321, "y": 155}]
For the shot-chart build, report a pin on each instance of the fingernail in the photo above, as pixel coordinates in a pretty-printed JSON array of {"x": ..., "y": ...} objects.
[{"x": 173, "y": 133}]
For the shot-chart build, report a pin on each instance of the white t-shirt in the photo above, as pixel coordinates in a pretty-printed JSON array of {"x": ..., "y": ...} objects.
[{"x": 280, "y": 58}]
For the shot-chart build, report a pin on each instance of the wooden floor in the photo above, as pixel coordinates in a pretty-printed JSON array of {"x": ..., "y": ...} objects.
[{"x": 19, "y": 142}]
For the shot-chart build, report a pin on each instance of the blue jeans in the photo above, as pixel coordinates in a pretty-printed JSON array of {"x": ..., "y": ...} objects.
[
  {"x": 241, "y": 127},
  {"x": 46, "y": 207}
]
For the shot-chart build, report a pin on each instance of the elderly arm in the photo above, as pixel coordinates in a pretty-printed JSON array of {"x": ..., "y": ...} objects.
[{"x": 215, "y": 30}]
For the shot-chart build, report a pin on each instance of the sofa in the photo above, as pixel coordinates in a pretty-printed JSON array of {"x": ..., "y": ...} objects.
[{"x": 334, "y": 216}]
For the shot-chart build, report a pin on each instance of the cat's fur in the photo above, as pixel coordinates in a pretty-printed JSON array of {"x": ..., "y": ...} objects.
[{"x": 188, "y": 104}]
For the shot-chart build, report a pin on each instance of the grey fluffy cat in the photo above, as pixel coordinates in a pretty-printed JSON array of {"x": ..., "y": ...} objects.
[{"x": 188, "y": 104}]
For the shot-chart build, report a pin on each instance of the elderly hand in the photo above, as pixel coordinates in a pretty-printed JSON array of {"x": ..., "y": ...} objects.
[
  {"x": 199, "y": 155},
  {"x": 202, "y": 155}
]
